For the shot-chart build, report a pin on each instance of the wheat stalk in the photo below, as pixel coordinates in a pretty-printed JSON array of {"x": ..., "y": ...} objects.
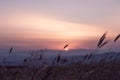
[
  {"x": 104, "y": 43},
  {"x": 11, "y": 49},
  {"x": 102, "y": 39},
  {"x": 118, "y": 36},
  {"x": 66, "y": 46}
]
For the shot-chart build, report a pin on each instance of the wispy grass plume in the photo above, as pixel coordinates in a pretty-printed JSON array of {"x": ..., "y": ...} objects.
[
  {"x": 104, "y": 43},
  {"x": 11, "y": 49},
  {"x": 118, "y": 36},
  {"x": 102, "y": 39},
  {"x": 66, "y": 46}
]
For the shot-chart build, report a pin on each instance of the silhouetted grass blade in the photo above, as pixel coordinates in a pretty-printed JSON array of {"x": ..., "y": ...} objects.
[
  {"x": 66, "y": 46},
  {"x": 102, "y": 39},
  {"x": 103, "y": 43},
  {"x": 11, "y": 49},
  {"x": 117, "y": 38},
  {"x": 85, "y": 57},
  {"x": 58, "y": 58},
  {"x": 90, "y": 56}
]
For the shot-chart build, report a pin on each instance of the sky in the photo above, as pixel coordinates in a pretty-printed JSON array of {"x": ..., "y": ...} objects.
[{"x": 37, "y": 24}]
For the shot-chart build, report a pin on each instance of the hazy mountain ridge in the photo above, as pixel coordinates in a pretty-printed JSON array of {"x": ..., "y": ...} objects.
[{"x": 48, "y": 56}]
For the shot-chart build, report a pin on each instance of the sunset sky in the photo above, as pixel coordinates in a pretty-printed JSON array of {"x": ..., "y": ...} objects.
[{"x": 31, "y": 24}]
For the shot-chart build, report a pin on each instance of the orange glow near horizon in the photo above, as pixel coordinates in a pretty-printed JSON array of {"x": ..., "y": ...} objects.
[{"x": 31, "y": 30}]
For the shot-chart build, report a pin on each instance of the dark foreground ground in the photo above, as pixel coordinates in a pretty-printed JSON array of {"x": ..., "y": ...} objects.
[{"x": 103, "y": 70}]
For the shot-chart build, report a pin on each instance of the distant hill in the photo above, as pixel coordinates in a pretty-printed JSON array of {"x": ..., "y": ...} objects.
[{"x": 17, "y": 57}]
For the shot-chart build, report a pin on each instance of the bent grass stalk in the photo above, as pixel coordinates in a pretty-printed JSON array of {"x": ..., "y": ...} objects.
[
  {"x": 10, "y": 51},
  {"x": 114, "y": 41}
]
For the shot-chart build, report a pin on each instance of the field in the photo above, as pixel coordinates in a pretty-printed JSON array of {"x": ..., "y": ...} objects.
[
  {"x": 103, "y": 70},
  {"x": 86, "y": 69}
]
